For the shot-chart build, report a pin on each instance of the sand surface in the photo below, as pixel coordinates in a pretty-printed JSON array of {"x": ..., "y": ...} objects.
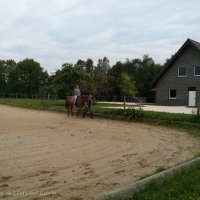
[{"x": 46, "y": 155}]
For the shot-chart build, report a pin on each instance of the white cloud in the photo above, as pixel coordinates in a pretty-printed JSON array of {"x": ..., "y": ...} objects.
[{"x": 54, "y": 32}]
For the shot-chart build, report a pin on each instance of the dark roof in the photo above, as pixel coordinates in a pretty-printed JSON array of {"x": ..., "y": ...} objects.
[
  {"x": 188, "y": 42},
  {"x": 195, "y": 44}
]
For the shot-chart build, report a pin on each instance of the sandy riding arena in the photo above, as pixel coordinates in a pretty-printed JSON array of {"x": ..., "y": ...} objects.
[{"x": 46, "y": 155}]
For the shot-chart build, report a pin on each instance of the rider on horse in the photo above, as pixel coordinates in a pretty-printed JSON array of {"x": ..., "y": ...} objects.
[
  {"x": 78, "y": 100},
  {"x": 77, "y": 93}
]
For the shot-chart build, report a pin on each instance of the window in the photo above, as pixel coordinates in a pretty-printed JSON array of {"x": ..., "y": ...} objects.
[
  {"x": 197, "y": 70},
  {"x": 182, "y": 72},
  {"x": 172, "y": 94}
]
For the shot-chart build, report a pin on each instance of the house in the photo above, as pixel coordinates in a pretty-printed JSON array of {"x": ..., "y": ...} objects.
[{"x": 179, "y": 81}]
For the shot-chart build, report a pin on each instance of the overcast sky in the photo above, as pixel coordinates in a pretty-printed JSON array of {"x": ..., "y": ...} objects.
[{"x": 53, "y": 32}]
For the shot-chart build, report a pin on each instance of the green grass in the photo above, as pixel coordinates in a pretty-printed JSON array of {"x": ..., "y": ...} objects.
[
  {"x": 184, "y": 185},
  {"x": 59, "y": 105},
  {"x": 171, "y": 117},
  {"x": 55, "y": 104},
  {"x": 108, "y": 105}
]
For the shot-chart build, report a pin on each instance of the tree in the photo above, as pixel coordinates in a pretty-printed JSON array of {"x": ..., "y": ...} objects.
[
  {"x": 3, "y": 75},
  {"x": 28, "y": 77},
  {"x": 114, "y": 80},
  {"x": 80, "y": 64},
  {"x": 5, "y": 68},
  {"x": 147, "y": 73},
  {"x": 142, "y": 70},
  {"x": 89, "y": 66},
  {"x": 64, "y": 80},
  {"x": 128, "y": 87},
  {"x": 100, "y": 74}
]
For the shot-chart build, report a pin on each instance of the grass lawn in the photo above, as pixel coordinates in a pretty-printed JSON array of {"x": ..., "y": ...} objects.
[
  {"x": 183, "y": 186},
  {"x": 41, "y": 103}
]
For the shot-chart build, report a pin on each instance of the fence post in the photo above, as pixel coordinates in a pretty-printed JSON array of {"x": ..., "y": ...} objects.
[
  {"x": 9, "y": 97},
  {"x": 124, "y": 102}
]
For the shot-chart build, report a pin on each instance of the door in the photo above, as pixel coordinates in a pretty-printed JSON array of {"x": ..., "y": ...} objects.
[{"x": 192, "y": 98}]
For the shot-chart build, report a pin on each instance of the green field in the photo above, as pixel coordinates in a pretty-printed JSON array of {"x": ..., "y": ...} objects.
[
  {"x": 183, "y": 186},
  {"x": 40, "y": 103}
]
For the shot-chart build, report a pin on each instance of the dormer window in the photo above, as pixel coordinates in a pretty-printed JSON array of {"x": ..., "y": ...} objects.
[
  {"x": 182, "y": 72},
  {"x": 197, "y": 70}
]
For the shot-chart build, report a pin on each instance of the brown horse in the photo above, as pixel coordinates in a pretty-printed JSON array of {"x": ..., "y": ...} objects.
[{"x": 79, "y": 104}]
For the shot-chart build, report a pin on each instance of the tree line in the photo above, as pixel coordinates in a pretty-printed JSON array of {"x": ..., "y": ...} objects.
[{"x": 130, "y": 78}]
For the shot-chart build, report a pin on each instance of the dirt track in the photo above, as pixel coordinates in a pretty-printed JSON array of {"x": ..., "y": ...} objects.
[{"x": 46, "y": 155}]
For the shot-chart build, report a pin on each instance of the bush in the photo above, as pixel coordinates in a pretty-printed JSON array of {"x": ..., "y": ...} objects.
[{"x": 133, "y": 113}]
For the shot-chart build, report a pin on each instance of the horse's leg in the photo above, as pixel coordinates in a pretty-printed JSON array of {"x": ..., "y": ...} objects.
[
  {"x": 81, "y": 112},
  {"x": 78, "y": 112},
  {"x": 67, "y": 108},
  {"x": 84, "y": 112},
  {"x": 71, "y": 111},
  {"x": 91, "y": 113},
  {"x": 68, "y": 111}
]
